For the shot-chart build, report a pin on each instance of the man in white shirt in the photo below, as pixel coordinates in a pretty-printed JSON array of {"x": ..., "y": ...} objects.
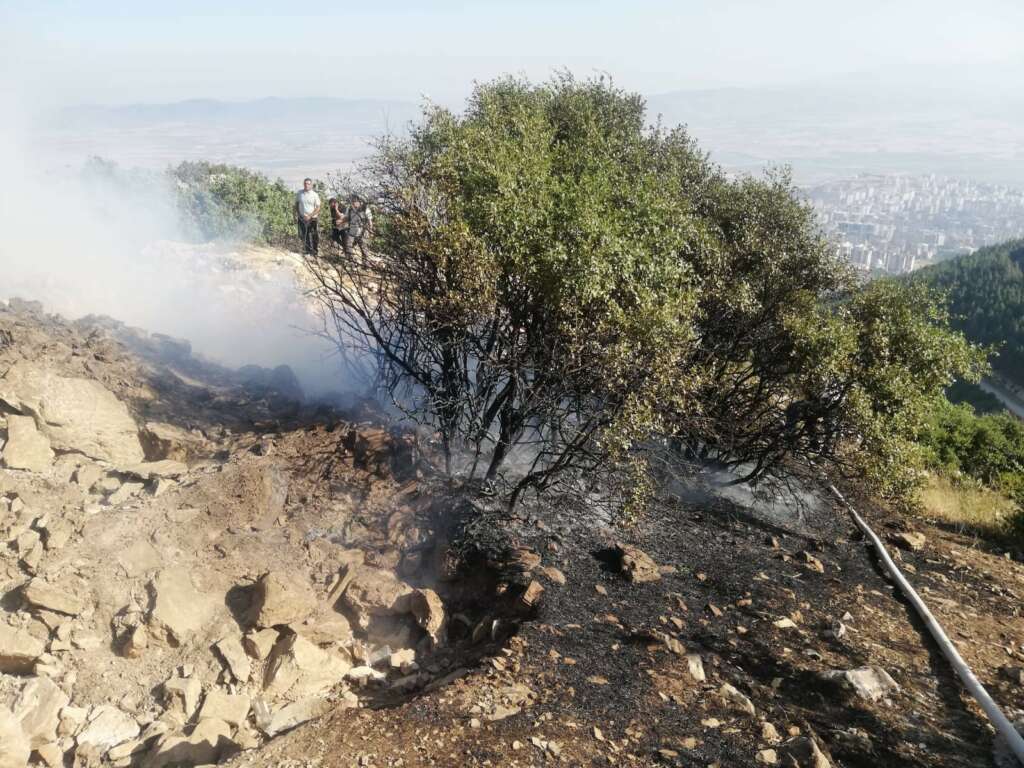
[{"x": 307, "y": 212}]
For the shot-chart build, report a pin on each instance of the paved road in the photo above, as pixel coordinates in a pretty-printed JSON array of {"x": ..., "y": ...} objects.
[{"x": 1011, "y": 401}]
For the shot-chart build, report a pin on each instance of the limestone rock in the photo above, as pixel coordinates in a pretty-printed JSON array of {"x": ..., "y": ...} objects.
[
  {"x": 636, "y": 565},
  {"x": 76, "y": 414},
  {"x": 231, "y": 650},
  {"x": 38, "y": 708},
  {"x": 280, "y": 599},
  {"x": 27, "y": 447},
  {"x": 805, "y": 753},
  {"x": 18, "y": 650},
  {"x": 181, "y": 695},
  {"x": 872, "y": 683},
  {"x": 294, "y": 714},
  {"x": 695, "y": 666},
  {"x": 51, "y": 755},
  {"x": 553, "y": 575},
  {"x": 297, "y": 668},
  {"x": 219, "y": 705},
  {"x": 107, "y": 727},
  {"x": 208, "y": 742},
  {"x": 375, "y": 592},
  {"x": 125, "y": 492},
  {"x": 259, "y": 643},
  {"x": 162, "y": 441},
  {"x": 14, "y": 744},
  {"x": 427, "y": 607},
  {"x": 325, "y": 628},
  {"x": 177, "y": 609},
  {"x": 87, "y": 475},
  {"x": 732, "y": 697}
]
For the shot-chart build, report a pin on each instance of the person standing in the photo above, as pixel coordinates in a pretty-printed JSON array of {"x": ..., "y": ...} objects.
[
  {"x": 337, "y": 222},
  {"x": 358, "y": 221},
  {"x": 307, "y": 212}
]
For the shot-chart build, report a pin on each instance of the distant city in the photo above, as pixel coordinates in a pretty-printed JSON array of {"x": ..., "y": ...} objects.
[{"x": 896, "y": 224}]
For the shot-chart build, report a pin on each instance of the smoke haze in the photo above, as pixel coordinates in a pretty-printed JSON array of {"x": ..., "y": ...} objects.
[{"x": 111, "y": 243}]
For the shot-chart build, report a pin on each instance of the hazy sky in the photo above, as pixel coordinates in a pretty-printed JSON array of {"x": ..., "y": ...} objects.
[{"x": 54, "y": 52}]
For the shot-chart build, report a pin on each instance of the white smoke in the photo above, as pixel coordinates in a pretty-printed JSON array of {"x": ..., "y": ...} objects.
[{"x": 111, "y": 243}]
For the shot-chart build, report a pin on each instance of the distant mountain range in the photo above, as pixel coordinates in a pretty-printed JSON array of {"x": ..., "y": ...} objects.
[
  {"x": 824, "y": 131},
  {"x": 269, "y": 110}
]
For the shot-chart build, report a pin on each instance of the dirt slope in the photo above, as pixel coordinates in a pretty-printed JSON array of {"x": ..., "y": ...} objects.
[{"x": 141, "y": 627}]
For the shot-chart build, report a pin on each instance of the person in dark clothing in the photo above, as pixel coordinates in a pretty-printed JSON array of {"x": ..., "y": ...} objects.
[
  {"x": 337, "y": 222},
  {"x": 307, "y": 212},
  {"x": 358, "y": 222}
]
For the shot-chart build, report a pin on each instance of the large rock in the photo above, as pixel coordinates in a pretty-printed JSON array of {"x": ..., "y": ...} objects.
[
  {"x": 231, "y": 650},
  {"x": 38, "y": 708},
  {"x": 166, "y": 441},
  {"x": 371, "y": 592},
  {"x": 291, "y": 715},
  {"x": 76, "y": 414},
  {"x": 177, "y": 609},
  {"x": 14, "y": 744},
  {"x": 107, "y": 727},
  {"x": 69, "y": 597},
  {"x": 296, "y": 668},
  {"x": 279, "y": 599},
  {"x": 219, "y": 705},
  {"x": 427, "y": 607},
  {"x": 208, "y": 742},
  {"x": 636, "y": 565},
  {"x": 871, "y": 683},
  {"x": 181, "y": 697},
  {"x": 27, "y": 447},
  {"x": 18, "y": 650}
]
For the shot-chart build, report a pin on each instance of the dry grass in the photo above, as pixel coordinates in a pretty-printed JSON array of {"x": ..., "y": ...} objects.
[{"x": 970, "y": 509}]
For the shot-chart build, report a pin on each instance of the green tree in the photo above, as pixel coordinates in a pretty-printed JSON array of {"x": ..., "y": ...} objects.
[
  {"x": 225, "y": 201},
  {"x": 553, "y": 284}
]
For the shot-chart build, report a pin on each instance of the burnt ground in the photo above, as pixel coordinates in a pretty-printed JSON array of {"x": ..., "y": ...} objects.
[
  {"x": 598, "y": 674},
  {"x": 595, "y": 655}
]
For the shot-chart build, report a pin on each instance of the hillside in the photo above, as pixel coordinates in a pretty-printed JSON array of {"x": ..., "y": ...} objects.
[
  {"x": 272, "y": 564},
  {"x": 986, "y": 294}
]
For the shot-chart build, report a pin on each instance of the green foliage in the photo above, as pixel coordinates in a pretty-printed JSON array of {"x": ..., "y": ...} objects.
[
  {"x": 554, "y": 281},
  {"x": 986, "y": 295},
  {"x": 224, "y": 201},
  {"x": 988, "y": 449}
]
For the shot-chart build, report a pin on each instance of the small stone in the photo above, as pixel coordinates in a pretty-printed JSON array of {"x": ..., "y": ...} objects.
[
  {"x": 871, "y": 682},
  {"x": 553, "y": 575},
  {"x": 695, "y": 666},
  {"x": 812, "y": 562},
  {"x": 767, "y": 757},
  {"x": 909, "y": 540},
  {"x": 784, "y": 623},
  {"x": 731, "y": 696},
  {"x": 769, "y": 734}
]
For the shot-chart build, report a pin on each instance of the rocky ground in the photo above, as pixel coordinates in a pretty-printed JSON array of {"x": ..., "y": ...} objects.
[{"x": 201, "y": 568}]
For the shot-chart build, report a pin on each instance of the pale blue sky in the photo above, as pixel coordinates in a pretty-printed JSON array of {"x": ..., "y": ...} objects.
[{"x": 116, "y": 52}]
